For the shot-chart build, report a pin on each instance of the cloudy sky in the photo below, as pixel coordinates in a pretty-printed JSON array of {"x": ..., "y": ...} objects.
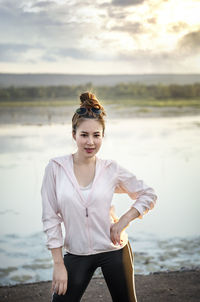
[{"x": 100, "y": 37}]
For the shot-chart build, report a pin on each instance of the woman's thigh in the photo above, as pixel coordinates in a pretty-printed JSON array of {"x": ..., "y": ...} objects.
[
  {"x": 118, "y": 270},
  {"x": 80, "y": 270}
]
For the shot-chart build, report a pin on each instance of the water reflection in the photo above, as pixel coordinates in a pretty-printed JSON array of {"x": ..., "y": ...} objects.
[{"x": 164, "y": 152}]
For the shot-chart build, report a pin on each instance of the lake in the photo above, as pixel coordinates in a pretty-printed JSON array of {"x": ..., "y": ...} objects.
[{"x": 163, "y": 151}]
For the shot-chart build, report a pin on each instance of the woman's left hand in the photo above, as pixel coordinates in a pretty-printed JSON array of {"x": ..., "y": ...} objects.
[{"x": 116, "y": 230}]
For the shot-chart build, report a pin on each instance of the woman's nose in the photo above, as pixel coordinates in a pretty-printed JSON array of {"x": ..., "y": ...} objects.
[{"x": 90, "y": 140}]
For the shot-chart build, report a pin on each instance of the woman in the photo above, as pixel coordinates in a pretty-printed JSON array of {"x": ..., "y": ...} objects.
[{"x": 77, "y": 190}]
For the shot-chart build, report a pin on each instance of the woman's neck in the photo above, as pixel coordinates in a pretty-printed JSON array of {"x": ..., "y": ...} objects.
[{"x": 82, "y": 160}]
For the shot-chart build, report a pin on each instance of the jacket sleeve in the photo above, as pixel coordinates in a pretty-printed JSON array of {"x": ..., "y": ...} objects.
[
  {"x": 50, "y": 216},
  {"x": 144, "y": 196}
]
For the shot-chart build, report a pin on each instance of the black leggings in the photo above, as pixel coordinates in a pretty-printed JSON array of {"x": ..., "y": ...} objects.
[{"x": 117, "y": 269}]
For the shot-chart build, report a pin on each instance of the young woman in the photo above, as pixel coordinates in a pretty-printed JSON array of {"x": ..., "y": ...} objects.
[{"x": 77, "y": 189}]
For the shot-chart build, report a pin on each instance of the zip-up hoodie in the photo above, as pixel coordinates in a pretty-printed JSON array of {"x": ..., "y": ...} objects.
[{"x": 87, "y": 222}]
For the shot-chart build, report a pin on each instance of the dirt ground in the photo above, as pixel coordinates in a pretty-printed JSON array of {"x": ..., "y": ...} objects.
[{"x": 181, "y": 286}]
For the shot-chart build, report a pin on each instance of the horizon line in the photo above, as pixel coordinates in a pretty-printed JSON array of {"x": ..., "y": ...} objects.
[{"x": 91, "y": 74}]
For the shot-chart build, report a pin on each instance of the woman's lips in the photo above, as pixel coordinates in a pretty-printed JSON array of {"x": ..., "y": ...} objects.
[{"x": 89, "y": 150}]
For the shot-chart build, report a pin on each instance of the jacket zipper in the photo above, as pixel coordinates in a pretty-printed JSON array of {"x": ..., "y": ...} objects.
[
  {"x": 87, "y": 215},
  {"x": 86, "y": 212}
]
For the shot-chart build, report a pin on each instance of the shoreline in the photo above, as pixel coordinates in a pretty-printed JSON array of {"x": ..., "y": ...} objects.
[
  {"x": 179, "y": 286},
  {"x": 61, "y": 115}
]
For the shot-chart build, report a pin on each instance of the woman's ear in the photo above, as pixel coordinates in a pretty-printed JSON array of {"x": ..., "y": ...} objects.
[{"x": 74, "y": 135}]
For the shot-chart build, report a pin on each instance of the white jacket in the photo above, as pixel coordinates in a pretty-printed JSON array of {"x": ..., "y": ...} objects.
[{"x": 87, "y": 222}]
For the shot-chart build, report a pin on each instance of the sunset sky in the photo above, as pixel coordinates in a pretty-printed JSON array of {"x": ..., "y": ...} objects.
[{"x": 100, "y": 37}]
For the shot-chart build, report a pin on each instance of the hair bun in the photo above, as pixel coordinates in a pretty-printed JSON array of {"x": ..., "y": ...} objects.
[{"x": 89, "y": 100}]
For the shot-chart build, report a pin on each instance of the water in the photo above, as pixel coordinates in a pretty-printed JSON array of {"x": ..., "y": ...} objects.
[{"x": 164, "y": 152}]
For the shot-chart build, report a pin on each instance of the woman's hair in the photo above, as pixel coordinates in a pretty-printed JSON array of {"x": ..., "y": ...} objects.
[{"x": 88, "y": 101}]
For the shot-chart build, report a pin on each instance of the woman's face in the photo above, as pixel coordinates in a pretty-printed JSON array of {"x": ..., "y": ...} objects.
[{"x": 88, "y": 137}]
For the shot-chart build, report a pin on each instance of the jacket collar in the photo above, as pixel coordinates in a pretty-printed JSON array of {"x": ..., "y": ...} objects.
[{"x": 66, "y": 161}]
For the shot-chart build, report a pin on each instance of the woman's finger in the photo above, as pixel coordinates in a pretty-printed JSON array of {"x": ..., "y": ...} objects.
[
  {"x": 113, "y": 238},
  {"x": 60, "y": 289},
  {"x": 56, "y": 287},
  {"x": 52, "y": 286},
  {"x": 114, "y": 235},
  {"x": 64, "y": 288}
]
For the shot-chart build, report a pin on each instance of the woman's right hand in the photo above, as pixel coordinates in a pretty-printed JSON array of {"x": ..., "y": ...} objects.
[{"x": 60, "y": 279}]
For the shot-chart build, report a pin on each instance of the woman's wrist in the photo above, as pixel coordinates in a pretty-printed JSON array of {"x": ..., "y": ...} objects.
[
  {"x": 130, "y": 215},
  {"x": 58, "y": 262},
  {"x": 123, "y": 221},
  {"x": 57, "y": 256}
]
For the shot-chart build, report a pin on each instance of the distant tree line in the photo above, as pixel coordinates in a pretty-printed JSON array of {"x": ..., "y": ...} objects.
[{"x": 119, "y": 91}]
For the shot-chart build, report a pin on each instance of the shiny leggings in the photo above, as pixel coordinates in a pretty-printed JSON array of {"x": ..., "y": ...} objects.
[{"x": 117, "y": 269}]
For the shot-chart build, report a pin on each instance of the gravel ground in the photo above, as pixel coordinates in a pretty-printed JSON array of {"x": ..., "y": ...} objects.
[{"x": 177, "y": 286}]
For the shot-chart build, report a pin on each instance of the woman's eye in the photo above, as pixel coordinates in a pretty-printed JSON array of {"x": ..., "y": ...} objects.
[{"x": 96, "y": 135}]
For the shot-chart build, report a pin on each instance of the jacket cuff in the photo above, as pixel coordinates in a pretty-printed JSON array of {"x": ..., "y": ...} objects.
[
  {"x": 53, "y": 245},
  {"x": 54, "y": 237}
]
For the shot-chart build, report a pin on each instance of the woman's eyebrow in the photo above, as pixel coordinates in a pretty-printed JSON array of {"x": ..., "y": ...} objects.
[{"x": 93, "y": 132}]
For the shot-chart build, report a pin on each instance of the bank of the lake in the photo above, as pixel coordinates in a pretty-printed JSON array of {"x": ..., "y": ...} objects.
[
  {"x": 180, "y": 286},
  {"x": 57, "y": 113}
]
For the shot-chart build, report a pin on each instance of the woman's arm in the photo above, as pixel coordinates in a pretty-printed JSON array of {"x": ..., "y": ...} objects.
[
  {"x": 122, "y": 224},
  {"x": 144, "y": 196},
  {"x": 60, "y": 276},
  {"x": 51, "y": 219},
  {"x": 52, "y": 227}
]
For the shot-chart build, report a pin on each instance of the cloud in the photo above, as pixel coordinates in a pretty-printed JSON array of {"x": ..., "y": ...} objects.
[
  {"x": 52, "y": 33},
  {"x": 56, "y": 26},
  {"x": 177, "y": 27},
  {"x": 12, "y": 52},
  {"x": 190, "y": 43},
  {"x": 129, "y": 27},
  {"x": 39, "y": 6},
  {"x": 43, "y": 4},
  {"x": 152, "y": 20},
  {"x": 127, "y": 2},
  {"x": 153, "y": 61},
  {"x": 23, "y": 52},
  {"x": 62, "y": 53},
  {"x": 139, "y": 32},
  {"x": 144, "y": 56},
  {"x": 116, "y": 14}
]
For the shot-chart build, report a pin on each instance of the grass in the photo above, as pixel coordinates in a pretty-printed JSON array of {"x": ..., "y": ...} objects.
[
  {"x": 38, "y": 103},
  {"x": 157, "y": 103},
  {"x": 117, "y": 102}
]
